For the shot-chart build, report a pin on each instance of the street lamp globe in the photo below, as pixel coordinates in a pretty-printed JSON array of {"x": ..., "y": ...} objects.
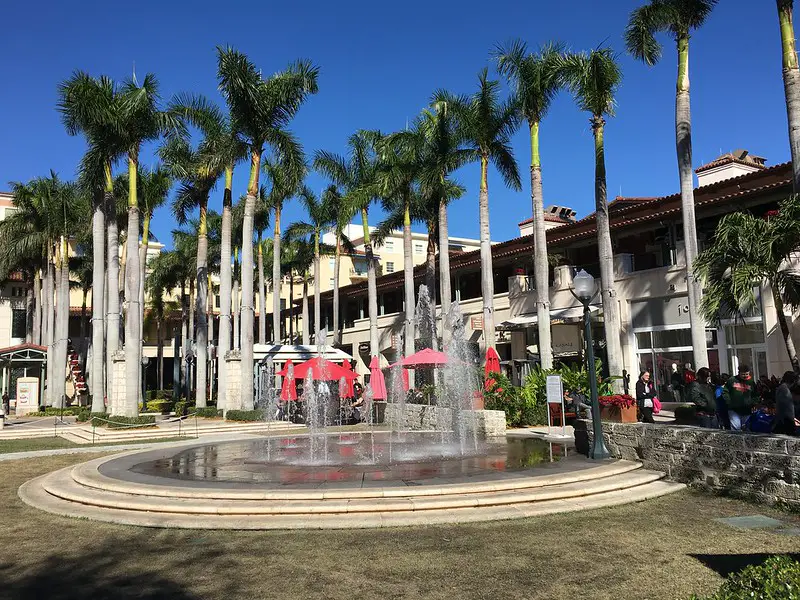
[{"x": 584, "y": 285}]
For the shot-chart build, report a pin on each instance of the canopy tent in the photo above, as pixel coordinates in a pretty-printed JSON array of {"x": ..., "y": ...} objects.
[
  {"x": 297, "y": 354},
  {"x": 570, "y": 314}
]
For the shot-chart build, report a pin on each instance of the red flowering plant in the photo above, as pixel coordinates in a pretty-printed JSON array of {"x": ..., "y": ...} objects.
[{"x": 618, "y": 400}]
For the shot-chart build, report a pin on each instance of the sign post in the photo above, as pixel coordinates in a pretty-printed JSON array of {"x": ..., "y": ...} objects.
[{"x": 555, "y": 395}]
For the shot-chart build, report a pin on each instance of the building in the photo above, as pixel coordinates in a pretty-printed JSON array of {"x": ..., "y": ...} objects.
[{"x": 650, "y": 281}]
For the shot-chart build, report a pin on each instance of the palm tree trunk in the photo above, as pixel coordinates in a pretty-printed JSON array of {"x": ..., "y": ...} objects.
[
  {"x": 262, "y": 295},
  {"x": 784, "y": 325},
  {"x": 430, "y": 281},
  {"x": 372, "y": 288},
  {"x": 306, "y": 332},
  {"x": 291, "y": 307},
  {"x": 37, "y": 308},
  {"x": 52, "y": 371},
  {"x": 337, "y": 323},
  {"x": 201, "y": 369},
  {"x": 30, "y": 310},
  {"x": 123, "y": 261},
  {"x": 142, "y": 275},
  {"x": 487, "y": 275},
  {"x": 541, "y": 267},
  {"x": 236, "y": 306},
  {"x": 114, "y": 319},
  {"x": 185, "y": 345},
  {"x": 248, "y": 315},
  {"x": 61, "y": 324},
  {"x": 445, "y": 293},
  {"x": 683, "y": 137},
  {"x": 133, "y": 327},
  {"x": 317, "y": 279},
  {"x": 84, "y": 326},
  {"x": 791, "y": 85},
  {"x": 160, "y": 351},
  {"x": 608, "y": 292},
  {"x": 225, "y": 284},
  {"x": 99, "y": 293},
  {"x": 276, "y": 275},
  {"x": 408, "y": 281}
]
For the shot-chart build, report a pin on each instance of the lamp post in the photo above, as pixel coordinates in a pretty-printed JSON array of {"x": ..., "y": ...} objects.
[
  {"x": 145, "y": 362},
  {"x": 585, "y": 290}
]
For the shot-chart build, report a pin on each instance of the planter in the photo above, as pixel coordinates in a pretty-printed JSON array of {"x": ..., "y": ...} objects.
[
  {"x": 477, "y": 401},
  {"x": 618, "y": 414}
]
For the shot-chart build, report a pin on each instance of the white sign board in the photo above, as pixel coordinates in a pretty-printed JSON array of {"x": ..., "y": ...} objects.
[
  {"x": 555, "y": 392},
  {"x": 27, "y": 395}
]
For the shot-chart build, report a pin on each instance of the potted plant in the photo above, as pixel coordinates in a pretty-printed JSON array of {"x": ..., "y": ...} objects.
[{"x": 618, "y": 408}]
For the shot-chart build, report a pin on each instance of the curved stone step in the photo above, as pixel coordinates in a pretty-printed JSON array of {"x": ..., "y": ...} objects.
[{"x": 33, "y": 493}]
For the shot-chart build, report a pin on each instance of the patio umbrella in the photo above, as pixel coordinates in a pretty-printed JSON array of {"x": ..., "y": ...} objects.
[
  {"x": 406, "y": 383},
  {"x": 350, "y": 390},
  {"x": 323, "y": 370},
  {"x": 288, "y": 390},
  {"x": 376, "y": 379},
  {"x": 425, "y": 358},
  {"x": 492, "y": 366}
]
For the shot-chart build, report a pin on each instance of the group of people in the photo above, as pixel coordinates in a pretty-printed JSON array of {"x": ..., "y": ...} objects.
[
  {"x": 350, "y": 410},
  {"x": 735, "y": 403}
]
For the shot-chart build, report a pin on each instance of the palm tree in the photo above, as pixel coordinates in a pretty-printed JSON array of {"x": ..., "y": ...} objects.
[
  {"x": 341, "y": 215},
  {"x": 168, "y": 272},
  {"x": 260, "y": 224},
  {"x": 679, "y": 18},
  {"x": 791, "y": 84},
  {"x": 356, "y": 175},
  {"x": 488, "y": 126},
  {"x": 536, "y": 79},
  {"x": 321, "y": 215},
  {"x": 142, "y": 121},
  {"x": 594, "y": 78},
  {"x": 92, "y": 106},
  {"x": 749, "y": 252},
  {"x": 261, "y": 110}
]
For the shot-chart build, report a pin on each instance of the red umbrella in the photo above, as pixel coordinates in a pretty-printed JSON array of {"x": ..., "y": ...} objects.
[
  {"x": 492, "y": 366},
  {"x": 288, "y": 390},
  {"x": 406, "y": 383},
  {"x": 323, "y": 370},
  {"x": 349, "y": 391},
  {"x": 425, "y": 358},
  {"x": 376, "y": 380}
]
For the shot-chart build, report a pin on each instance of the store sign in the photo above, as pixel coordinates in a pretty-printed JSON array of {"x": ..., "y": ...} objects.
[
  {"x": 566, "y": 339},
  {"x": 476, "y": 323},
  {"x": 659, "y": 312}
]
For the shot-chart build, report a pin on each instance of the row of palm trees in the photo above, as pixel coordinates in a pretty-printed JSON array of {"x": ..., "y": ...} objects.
[{"x": 409, "y": 172}]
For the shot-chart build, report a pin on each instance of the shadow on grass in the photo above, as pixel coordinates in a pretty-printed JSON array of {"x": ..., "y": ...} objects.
[
  {"x": 123, "y": 569},
  {"x": 728, "y": 564}
]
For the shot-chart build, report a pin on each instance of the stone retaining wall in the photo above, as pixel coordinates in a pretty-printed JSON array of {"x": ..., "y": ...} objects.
[
  {"x": 418, "y": 417},
  {"x": 758, "y": 467}
]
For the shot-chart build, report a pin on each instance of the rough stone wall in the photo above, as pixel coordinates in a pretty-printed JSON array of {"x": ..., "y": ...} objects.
[
  {"x": 419, "y": 417},
  {"x": 758, "y": 467}
]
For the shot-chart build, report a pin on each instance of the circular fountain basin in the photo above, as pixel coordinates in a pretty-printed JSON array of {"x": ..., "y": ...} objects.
[{"x": 270, "y": 483}]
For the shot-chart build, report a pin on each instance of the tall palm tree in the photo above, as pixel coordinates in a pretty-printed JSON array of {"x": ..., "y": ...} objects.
[
  {"x": 261, "y": 111},
  {"x": 260, "y": 224},
  {"x": 678, "y": 18},
  {"x": 488, "y": 125},
  {"x": 594, "y": 78},
  {"x": 142, "y": 121},
  {"x": 167, "y": 273},
  {"x": 92, "y": 106},
  {"x": 341, "y": 215},
  {"x": 321, "y": 216},
  {"x": 750, "y": 252},
  {"x": 791, "y": 84},
  {"x": 356, "y": 175},
  {"x": 536, "y": 79}
]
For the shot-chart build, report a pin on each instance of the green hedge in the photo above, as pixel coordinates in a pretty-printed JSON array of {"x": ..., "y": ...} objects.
[
  {"x": 86, "y": 414},
  {"x": 101, "y": 420},
  {"x": 159, "y": 406},
  {"x": 159, "y": 395},
  {"x": 52, "y": 411},
  {"x": 777, "y": 578},
  {"x": 245, "y": 415},
  {"x": 209, "y": 412},
  {"x": 181, "y": 408}
]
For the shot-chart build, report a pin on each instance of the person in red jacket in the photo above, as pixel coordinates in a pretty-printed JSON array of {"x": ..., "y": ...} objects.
[{"x": 688, "y": 375}]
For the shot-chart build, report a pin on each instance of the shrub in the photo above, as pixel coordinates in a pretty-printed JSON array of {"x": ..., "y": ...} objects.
[
  {"x": 618, "y": 400},
  {"x": 160, "y": 406},
  {"x": 209, "y": 412},
  {"x": 523, "y": 406},
  {"x": 86, "y": 414},
  {"x": 777, "y": 577},
  {"x": 117, "y": 422},
  {"x": 52, "y": 411},
  {"x": 686, "y": 414},
  {"x": 181, "y": 408},
  {"x": 245, "y": 415}
]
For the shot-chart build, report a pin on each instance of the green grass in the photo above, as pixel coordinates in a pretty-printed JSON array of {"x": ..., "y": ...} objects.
[
  {"x": 656, "y": 549},
  {"x": 53, "y": 443}
]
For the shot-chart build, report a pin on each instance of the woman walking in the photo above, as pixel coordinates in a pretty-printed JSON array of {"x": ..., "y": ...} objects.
[{"x": 645, "y": 392}]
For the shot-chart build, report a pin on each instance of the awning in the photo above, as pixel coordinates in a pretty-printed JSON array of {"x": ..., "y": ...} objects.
[{"x": 569, "y": 314}]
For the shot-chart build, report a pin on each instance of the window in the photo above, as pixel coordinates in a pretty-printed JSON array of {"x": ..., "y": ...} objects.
[
  {"x": 217, "y": 301},
  {"x": 419, "y": 248},
  {"x": 672, "y": 338},
  {"x": 283, "y": 303},
  {"x": 390, "y": 267},
  {"x": 17, "y": 292},
  {"x": 19, "y": 323},
  {"x": 332, "y": 282},
  {"x": 388, "y": 245},
  {"x": 644, "y": 341},
  {"x": 745, "y": 334}
]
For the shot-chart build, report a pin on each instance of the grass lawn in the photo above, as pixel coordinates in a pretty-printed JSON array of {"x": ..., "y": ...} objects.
[
  {"x": 649, "y": 550},
  {"x": 52, "y": 443}
]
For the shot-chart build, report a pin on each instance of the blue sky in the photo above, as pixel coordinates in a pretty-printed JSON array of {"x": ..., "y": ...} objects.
[{"x": 381, "y": 61}]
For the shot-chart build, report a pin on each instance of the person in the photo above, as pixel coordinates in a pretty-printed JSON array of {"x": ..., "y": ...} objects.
[
  {"x": 740, "y": 397},
  {"x": 689, "y": 376},
  {"x": 785, "y": 418},
  {"x": 676, "y": 383},
  {"x": 358, "y": 402},
  {"x": 645, "y": 392},
  {"x": 701, "y": 394},
  {"x": 575, "y": 401},
  {"x": 722, "y": 409},
  {"x": 6, "y": 404}
]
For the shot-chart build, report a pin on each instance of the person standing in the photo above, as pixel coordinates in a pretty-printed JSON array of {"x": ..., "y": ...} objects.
[
  {"x": 676, "y": 384},
  {"x": 785, "y": 418},
  {"x": 740, "y": 397},
  {"x": 701, "y": 394},
  {"x": 645, "y": 392}
]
